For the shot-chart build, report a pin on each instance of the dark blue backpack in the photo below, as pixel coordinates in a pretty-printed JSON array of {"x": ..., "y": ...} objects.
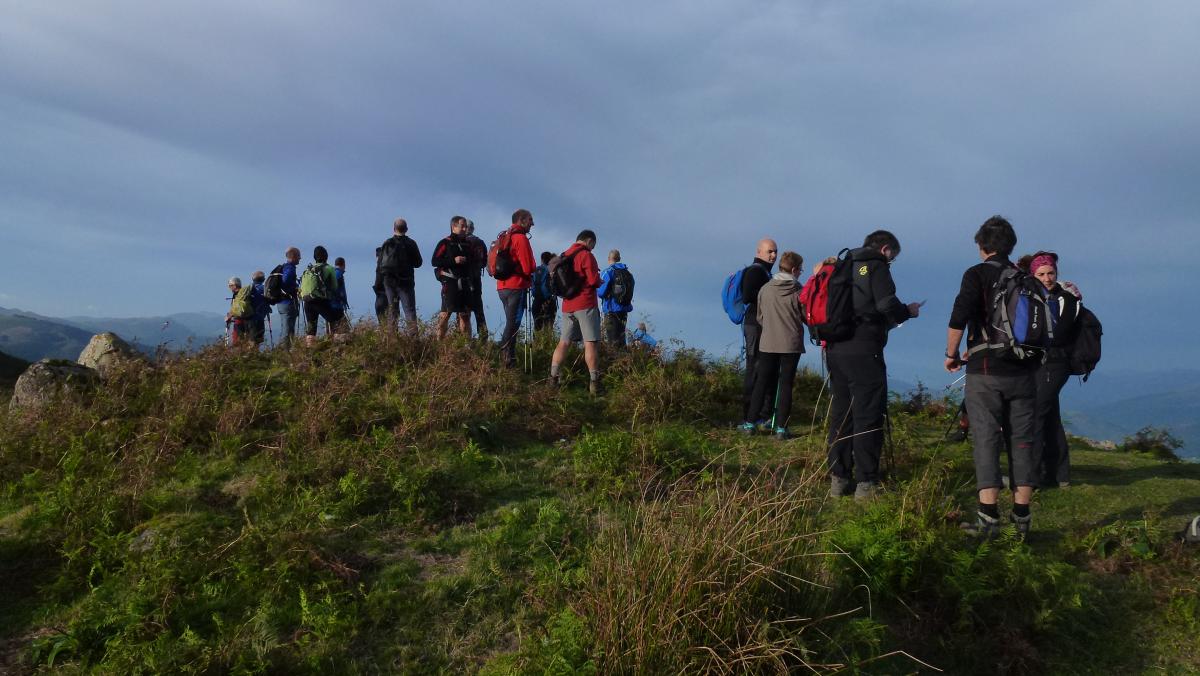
[{"x": 731, "y": 297}]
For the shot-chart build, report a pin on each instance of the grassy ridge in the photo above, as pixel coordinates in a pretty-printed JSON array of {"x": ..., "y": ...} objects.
[{"x": 398, "y": 505}]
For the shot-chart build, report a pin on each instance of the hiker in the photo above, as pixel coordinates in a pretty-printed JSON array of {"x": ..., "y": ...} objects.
[
  {"x": 754, "y": 277},
  {"x": 780, "y": 345},
  {"x": 479, "y": 259},
  {"x": 616, "y": 290},
  {"x": 395, "y": 261},
  {"x": 452, "y": 262},
  {"x": 258, "y": 300},
  {"x": 857, "y": 371},
  {"x": 318, "y": 289},
  {"x": 517, "y": 261},
  {"x": 381, "y": 300},
  {"x": 1000, "y": 392},
  {"x": 340, "y": 301},
  {"x": 641, "y": 336},
  {"x": 289, "y": 305},
  {"x": 1051, "y": 455},
  {"x": 581, "y": 316},
  {"x": 541, "y": 297},
  {"x": 240, "y": 314}
]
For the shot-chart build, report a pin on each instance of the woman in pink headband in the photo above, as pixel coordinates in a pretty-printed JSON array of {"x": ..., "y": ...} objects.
[{"x": 1050, "y": 451}]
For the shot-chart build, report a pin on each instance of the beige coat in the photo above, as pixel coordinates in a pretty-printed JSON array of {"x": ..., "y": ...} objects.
[{"x": 781, "y": 317}]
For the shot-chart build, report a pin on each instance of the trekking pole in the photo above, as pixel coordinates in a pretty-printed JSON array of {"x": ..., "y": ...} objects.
[
  {"x": 228, "y": 342},
  {"x": 270, "y": 330}
]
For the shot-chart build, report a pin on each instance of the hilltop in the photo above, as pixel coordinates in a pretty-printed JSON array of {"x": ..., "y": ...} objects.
[{"x": 398, "y": 505}]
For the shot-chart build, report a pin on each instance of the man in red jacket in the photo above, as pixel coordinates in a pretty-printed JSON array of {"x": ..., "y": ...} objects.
[
  {"x": 512, "y": 290},
  {"x": 581, "y": 312}
]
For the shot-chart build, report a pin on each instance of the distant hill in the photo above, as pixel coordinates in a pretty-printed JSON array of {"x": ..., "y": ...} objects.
[
  {"x": 32, "y": 336},
  {"x": 1177, "y": 410}
]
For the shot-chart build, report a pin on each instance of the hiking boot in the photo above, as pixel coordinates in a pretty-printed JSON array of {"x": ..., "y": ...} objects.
[
  {"x": 555, "y": 382},
  {"x": 595, "y": 388},
  {"x": 1022, "y": 523},
  {"x": 984, "y": 528},
  {"x": 763, "y": 426},
  {"x": 838, "y": 487},
  {"x": 747, "y": 428},
  {"x": 866, "y": 491},
  {"x": 782, "y": 434},
  {"x": 1064, "y": 484}
]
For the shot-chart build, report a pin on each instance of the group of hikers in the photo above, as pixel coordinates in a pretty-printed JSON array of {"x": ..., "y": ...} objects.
[
  {"x": 1026, "y": 334},
  {"x": 595, "y": 303}
]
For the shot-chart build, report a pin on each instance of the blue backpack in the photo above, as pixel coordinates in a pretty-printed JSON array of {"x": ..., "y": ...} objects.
[{"x": 731, "y": 297}]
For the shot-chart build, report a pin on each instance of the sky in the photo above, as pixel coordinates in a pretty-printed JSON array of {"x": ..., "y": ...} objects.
[{"x": 150, "y": 150}]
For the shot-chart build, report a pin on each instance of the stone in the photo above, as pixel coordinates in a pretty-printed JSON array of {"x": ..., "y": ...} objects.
[
  {"x": 49, "y": 378},
  {"x": 106, "y": 352}
]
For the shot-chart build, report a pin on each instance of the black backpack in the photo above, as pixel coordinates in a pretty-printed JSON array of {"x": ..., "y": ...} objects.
[
  {"x": 565, "y": 281},
  {"x": 1085, "y": 349},
  {"x": 393, "y": 256},
  {"x": 273, "y": 287},
  {"x": 1019, "y": 322},
  {"x": 620, "y": 287}
]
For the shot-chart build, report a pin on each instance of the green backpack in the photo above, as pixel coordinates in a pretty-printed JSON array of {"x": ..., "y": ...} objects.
[
  {"x": 312, "y": 282},
  {"x": 241, "y": 307}
]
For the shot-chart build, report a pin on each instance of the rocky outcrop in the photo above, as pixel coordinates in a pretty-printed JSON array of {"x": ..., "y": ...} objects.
[
  {"x": 50, "y": 378},
  {"x": 106, "y": 352}
]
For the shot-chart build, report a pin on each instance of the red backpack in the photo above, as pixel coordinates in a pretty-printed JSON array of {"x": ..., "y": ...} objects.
[
  {"x": 828, "y": 301},
  {"x": 500, "y": 264}
]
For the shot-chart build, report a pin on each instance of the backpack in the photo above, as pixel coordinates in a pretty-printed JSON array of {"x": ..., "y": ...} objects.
[
  {"x": 500, "y": 263},
  {"x": 393, "y": 256},
  {"x": 827, "y": 299},
  {"x": 1019, "y": 323},
  {"x": 620, "y": 287},
  {"x": 1085, "y": 348},
  {"x": 242, "y": 307},
  {"x": 731, "y": 297},
  {"x": 565, "y": 280},
  {"x": 273, "y": 287},
  {"x": 312, "y": 282}
]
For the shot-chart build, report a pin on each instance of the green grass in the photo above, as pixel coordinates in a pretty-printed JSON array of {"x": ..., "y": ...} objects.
[{"x": 400, "y": 506}]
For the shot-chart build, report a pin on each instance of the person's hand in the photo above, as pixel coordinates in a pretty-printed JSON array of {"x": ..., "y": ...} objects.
[
  {"x": 953, "y": 365},
  {"x": 914, "y": 309}
]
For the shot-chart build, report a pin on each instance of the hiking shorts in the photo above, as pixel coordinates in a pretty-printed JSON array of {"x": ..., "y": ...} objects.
[
  {"x": 456, "y": 295},
  {"x": 582, "y": 325}
]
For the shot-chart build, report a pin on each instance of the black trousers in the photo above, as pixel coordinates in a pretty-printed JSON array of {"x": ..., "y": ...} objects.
[
  {"x": 858, "y": 388},
  {"x": 613, "y": 328},
  {"x": 773, "y": 385},
  {"x": 1051, "y": 456},
  {"x": 751, "y": 333}
]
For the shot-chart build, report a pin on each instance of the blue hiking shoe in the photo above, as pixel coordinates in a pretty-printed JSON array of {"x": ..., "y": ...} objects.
[
  {"x": 747, "y": 428},
  {"x": 782, "y": 434}
]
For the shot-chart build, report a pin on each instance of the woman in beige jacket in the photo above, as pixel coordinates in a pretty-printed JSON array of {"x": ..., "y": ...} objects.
[{"x": 781, "y": 344}]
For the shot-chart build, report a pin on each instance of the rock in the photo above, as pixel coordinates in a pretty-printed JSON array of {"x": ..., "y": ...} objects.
[
  {"x": 49, "y": 378},
  {"x": 107, "y": 351}
]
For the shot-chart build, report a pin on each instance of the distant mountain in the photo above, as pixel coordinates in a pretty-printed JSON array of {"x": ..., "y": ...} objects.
[
  {"x": 32, "y": 336},
  {"x": 1177, "y": 411}
]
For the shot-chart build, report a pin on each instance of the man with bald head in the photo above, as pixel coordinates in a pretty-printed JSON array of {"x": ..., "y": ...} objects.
[{"x": 756, "y": 275}]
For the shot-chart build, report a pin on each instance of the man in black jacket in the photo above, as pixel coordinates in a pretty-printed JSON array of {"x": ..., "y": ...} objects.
[
  {"x": 397, "y": 258},
  {"x": 1000, "y": 393},
  {"x": 857, "y": 372},
  {"x": 755, "y": 276},
  {"x": 454, "y": 262}
]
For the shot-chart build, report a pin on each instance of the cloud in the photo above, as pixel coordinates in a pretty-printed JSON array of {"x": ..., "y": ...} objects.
[{"x": 177, "y": 142}]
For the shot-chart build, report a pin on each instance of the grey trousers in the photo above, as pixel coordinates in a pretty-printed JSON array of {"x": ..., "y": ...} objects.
[
  {"x": 513, "y": 301},
  {"x": 1001, "y": 411}
]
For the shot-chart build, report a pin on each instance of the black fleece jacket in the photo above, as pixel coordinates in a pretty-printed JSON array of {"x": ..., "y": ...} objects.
[
  {"x": 876, "y": 307},
  {"x": 755, "y": 277}
]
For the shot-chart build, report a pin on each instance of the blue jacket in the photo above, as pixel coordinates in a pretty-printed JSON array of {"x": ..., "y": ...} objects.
[
  {"x": 290, "y": 284},
  {"x": 540, "y": 285},
  {"x": 608, "y": 304},
  {"x": 640, "y": 336},
  {"x": 259, "y": 302},
  {"x": 339, "y": 300}
]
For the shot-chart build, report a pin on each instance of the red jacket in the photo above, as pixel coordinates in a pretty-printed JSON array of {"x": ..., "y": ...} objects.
[
  {"x": 522, "y": 255},
  {"x": 585, "y": 264}
]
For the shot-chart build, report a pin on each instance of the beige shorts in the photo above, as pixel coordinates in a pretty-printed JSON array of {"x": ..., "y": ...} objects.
[{"x": 582, "y": 324}]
